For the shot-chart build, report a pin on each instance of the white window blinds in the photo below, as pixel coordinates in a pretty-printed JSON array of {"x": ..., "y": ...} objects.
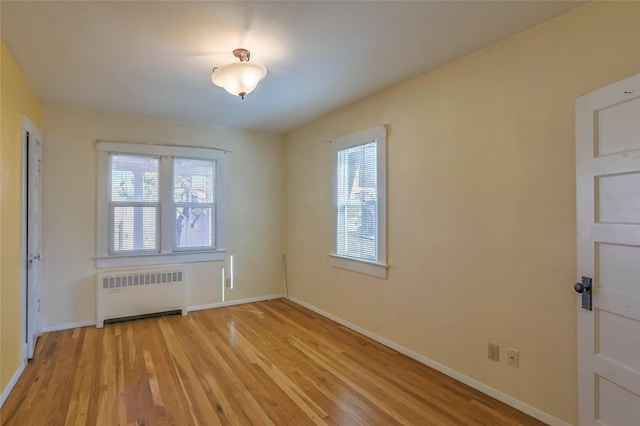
[
  {"x": 357, "y": 202},
  {"x": 193, "y": 203},
  {"x": 134, "y": 203}
]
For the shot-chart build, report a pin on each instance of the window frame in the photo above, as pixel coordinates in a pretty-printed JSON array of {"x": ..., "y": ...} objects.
[
  {"x": 377, "y": 267},
  {"x": 166, "y": 253}
]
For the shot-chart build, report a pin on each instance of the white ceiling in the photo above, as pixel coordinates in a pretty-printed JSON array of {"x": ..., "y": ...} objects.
[{"x": 155, "y": 58}]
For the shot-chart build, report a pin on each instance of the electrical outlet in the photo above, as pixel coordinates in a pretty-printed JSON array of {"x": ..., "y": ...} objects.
[
  {"x": 227, "y": 283},
  {"x": 494, "y": 352},
  {"x": 513, "y": 357}
]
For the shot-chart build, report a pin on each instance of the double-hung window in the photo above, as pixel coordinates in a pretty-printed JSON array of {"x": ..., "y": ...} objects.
[
  {"x": 359, "y": 191},
  {"x": 159, "y": 204}
]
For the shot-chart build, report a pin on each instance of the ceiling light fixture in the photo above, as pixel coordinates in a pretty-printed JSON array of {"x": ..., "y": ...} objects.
[{"x": 239, "y": 78}]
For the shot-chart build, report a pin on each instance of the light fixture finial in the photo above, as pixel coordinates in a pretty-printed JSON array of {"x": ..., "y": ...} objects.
[{"x": 243, "y": 54}]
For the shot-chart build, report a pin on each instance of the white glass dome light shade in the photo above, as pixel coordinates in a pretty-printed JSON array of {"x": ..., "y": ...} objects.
[{"x": 239, "y": 78}]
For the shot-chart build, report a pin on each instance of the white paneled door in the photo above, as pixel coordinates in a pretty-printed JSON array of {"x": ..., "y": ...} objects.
[{"x": 608, "y": 209}]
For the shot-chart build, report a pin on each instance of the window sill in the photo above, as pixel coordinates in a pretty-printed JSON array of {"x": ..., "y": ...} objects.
[
  {"x": 158, "y": 259},
  {"x": 366, "y": 267}
]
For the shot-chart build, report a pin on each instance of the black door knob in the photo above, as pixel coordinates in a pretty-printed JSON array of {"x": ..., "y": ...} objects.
[
  {"x": 581, "y": 288},
  {"x": 584, "y": 287}
]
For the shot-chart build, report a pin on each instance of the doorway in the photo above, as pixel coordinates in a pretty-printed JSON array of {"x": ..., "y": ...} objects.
[{"x": 31, "y": 235}]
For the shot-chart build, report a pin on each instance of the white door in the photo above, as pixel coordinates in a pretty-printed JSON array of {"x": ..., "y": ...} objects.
[
  {"x": 608, "y": 214},
  {"x": 33, "y": 161}
]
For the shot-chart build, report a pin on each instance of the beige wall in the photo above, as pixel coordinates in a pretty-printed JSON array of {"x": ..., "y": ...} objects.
[
  {"x": 16, "y": 98},
  {"x": 481, "y": 205},
  {"x": 255, "y": 208}
]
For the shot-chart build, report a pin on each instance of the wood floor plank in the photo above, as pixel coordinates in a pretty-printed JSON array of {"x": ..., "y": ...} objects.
[
  {"x": 200, "y": 408},
  {"x": 375, "y": 382},
  {"x": 256, "y": 380},
  {"x": 317, "y": 382},
  {"x": 246, "y": 403},
  {"x": 264, "y": 363}
]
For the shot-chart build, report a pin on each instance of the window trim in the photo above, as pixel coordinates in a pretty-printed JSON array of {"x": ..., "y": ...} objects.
[
  {"x": 166, "y": 253},
  {"x": 377, "y": 268}
]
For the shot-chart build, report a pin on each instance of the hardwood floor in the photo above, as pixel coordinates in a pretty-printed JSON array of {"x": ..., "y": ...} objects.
[{"x": 265, "y": 363}]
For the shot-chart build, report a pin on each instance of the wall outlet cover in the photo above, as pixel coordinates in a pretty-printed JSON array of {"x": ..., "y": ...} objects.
[
  {"x": 513, "y": 357},
  {"x": 493, "y": 352}
]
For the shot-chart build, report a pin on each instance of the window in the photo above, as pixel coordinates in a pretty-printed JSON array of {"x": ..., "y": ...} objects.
[
  {"x": 359, "y": 183},
  {"x": 159, "y": 204}
]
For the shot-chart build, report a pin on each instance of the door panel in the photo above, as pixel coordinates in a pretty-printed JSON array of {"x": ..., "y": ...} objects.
[
  {"x": 618, "y": 268},
  {"x": 613, "y": 328},
  {"x": 608, "y": 214},
  {"x": 618, "y": 198},
  {"x": 618, "y": 128},
  {"x": 618, "y": 405}
]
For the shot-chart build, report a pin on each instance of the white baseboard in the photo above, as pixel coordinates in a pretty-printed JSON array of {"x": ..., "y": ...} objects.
[
  {"x": 67, "y": 326},
  {"x": 488, "y": 390},
  {"x": 14, "y": 379},
  {"x": 234, "y": 302}
]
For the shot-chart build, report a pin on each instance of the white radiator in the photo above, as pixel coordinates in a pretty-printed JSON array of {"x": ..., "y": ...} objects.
[{"x": 121, "y": 294}]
